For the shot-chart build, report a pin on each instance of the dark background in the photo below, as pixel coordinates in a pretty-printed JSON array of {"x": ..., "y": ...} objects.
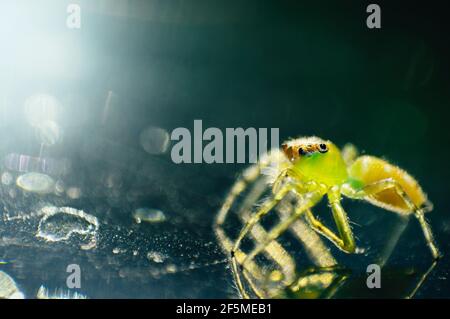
[{"x": 308, "y": 68}]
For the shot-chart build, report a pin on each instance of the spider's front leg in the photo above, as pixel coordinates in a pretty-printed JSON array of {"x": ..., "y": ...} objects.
[
  {"x": 266, "y": 207},
  {"x": 377, "y": 187},
  {"x": 249, "y": 176},
  {"x": 309, "y": 200},
  {"x": 345, "y": 241}
]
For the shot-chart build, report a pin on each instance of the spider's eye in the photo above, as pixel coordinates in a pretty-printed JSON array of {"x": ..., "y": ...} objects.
[
  {"x": 323, "y": 148},
  {"x": 301, "y": 151}
]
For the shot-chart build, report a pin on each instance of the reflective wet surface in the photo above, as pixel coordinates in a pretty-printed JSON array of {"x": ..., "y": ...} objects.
[{"x": 87, "y": 176}]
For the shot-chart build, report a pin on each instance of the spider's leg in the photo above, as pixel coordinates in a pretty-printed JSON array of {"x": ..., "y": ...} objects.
[
  {"x": 422, "y": 280},
  {"x": 252, "y": 270},
  {"x": 310, "y": 199},
  {"x": 252, "y": 221},
  {"x": 377, "y": 187},
  {"x": 263, "y": 210},
  {"x": 274, "y": 250},
  {"x": 345, "y": 241},
  {"x": 286, "y": 172},
  {"x": 314, "y": 246},
  {"x": 329, "y": 279},
  {"x": 279, "y": 180},
  {"x": 322, "y": 229},
  {"x": 249, "y": 175}
]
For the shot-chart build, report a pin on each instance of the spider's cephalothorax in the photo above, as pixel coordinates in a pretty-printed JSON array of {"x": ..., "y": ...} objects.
[
  {"x": 312, "y": 168},
  {"x": 314, "y": 159}
]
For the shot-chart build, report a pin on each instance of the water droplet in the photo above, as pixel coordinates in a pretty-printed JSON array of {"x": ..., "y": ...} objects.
[
  {"x": 73, "y": 192},
  {"x": 171, "y": 269},
  {"x": 148, "y": 215},
  {"x": 154, "y": 140},
  {"x": 36, "y": 183},
  {"x": 119, "y": 251},
  {"x": 60, "y": 223},
  {"x": 156, "y": 256}
]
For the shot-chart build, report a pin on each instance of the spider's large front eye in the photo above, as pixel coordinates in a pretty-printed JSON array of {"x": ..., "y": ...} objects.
[
  {"x": 301, "y": 151},
  {"x": 323, "y": 148}
]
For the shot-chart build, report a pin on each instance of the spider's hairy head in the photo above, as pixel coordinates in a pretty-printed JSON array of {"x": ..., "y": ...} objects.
[{"x": 315, "y": 159}]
